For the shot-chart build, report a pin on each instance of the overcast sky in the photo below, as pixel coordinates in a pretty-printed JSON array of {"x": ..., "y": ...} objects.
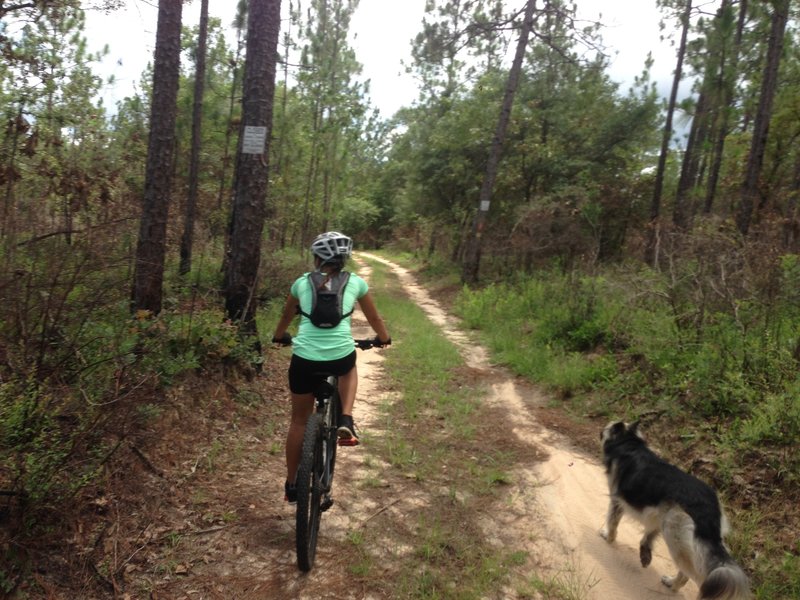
[{"x": 382, "y": 32}]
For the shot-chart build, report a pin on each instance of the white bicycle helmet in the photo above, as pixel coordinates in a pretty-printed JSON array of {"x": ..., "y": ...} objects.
[{"x": 332, "y": 246}]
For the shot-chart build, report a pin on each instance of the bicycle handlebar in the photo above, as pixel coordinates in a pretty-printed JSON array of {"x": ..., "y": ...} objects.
[
  {"x": 363, "y": 344},
  {"x": 371, "y": 343}
]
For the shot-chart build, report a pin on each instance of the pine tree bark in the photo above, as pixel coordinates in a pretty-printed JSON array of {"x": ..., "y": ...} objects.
[
  {"x": 247, "y": 220},
  {"x": 148, "y": 273}
]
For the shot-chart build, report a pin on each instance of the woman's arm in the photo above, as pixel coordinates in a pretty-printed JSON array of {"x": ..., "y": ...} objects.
[
  {"x": 289, "y": 313},
  {"x": 371, "y": 313}
]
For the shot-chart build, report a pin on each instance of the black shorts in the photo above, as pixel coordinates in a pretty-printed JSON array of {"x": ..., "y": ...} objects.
[{"x": 304, "y": 374}]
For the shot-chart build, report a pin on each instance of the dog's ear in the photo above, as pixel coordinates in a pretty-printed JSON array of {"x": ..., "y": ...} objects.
[
  {"x": 611, "y": 431},
  {"x": 634, "y": 429},
  {"x": 614, "y": 429}
]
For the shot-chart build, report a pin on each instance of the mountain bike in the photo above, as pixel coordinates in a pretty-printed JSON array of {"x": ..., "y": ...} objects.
[{"x": 315, "y": 473}]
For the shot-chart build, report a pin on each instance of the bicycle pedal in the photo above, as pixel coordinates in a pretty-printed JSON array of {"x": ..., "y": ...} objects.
[
  {"x": 326, "y": 504},
  {"x": 349, "y": 442}
]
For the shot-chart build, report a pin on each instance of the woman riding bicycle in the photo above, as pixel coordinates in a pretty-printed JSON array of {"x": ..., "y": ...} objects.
[{"x": 324, "y": 349}]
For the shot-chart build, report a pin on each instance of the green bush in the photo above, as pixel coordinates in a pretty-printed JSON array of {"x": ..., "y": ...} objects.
[
  {"x": 38, "y": 436},
  {"x": 775, "y": 420},
  {"x": 622, "y": 333},
  {"x": 52, "y": 428},
  {"x": 541, "y": 326}
]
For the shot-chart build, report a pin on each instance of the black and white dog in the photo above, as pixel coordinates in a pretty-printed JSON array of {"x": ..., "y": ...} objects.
[{"x": 669, "y": 501}]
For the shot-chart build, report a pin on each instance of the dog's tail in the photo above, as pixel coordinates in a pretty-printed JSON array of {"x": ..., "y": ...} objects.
[{"x": 725, "y": 581}]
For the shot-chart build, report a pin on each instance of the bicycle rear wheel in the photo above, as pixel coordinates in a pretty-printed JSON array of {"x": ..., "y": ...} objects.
[{"x": 309, "y": 492}]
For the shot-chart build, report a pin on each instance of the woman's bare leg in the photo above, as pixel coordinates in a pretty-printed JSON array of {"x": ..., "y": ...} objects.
[{"x": 348, "y": 384}]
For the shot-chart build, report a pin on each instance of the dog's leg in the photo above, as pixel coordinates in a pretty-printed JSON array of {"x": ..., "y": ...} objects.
[
  {"x": 646, "y": 546},
  {"x": 675, "y": 583},
  {"x": 679, "y": 534},
  {"x": 615, "y": 510}
]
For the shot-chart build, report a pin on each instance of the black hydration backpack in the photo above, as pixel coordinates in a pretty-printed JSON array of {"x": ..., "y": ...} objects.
[{"x": 326, "y": 302}]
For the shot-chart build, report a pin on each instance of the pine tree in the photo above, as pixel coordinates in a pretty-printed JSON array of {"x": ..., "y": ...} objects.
[
  {"x": 247, "y": 219},
  {"x": 148, "y": 274},
  {"x": 197, "y": 122},
  {"x": 769, "y": 83},
  {"x": 472, "y": 260}
]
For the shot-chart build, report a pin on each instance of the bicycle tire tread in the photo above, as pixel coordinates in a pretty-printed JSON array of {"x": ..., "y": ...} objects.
[{"x": 306, "y": 540}]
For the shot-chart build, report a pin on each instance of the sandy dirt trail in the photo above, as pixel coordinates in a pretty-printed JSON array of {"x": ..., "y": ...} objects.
[{"x": 558, "y": 505}]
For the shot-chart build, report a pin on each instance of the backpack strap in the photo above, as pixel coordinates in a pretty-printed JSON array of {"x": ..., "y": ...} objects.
[
  {"x": 345, "y": 278},
  {"x": 314, "y": 286}
]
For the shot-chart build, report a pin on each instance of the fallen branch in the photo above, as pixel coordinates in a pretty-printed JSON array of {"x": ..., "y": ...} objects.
[{"x": 380, "y": 511}]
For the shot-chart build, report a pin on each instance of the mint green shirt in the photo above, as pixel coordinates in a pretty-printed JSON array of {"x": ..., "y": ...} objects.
[{"x": 313, "y": 343}]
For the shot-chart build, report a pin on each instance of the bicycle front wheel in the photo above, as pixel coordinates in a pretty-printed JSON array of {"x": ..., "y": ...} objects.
[{"x": 309, "y": 492}]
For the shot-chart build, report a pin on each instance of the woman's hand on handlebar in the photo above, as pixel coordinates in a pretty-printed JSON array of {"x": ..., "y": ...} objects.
[
  {"x": 372, "y": 343},
  {"x": 284, "y": 340},
  {"x": 376, "y": 342},
  {"x": 380, "y": 344}
]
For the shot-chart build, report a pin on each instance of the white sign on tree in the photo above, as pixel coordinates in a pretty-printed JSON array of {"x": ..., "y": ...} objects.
[{"x": 254, "y": 140}]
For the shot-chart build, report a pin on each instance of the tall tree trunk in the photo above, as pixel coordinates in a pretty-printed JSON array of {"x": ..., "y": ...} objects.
[
  {"x": 197, "y": 125},
  {"x": 472, "y": 258},
  {"x": 8, "y": 228},
  {"x": 239, "y": 24},
  {"x": 728, "y": 75},
  {"x": 690, "y": 168},
  {"x": 148, "y": 273},
  {"x": 658, "y": 187},
  {"x": 769, "y": 85},
  {"x": 247, "y": 222},
  {"x": 791, "y": 225},
  {"x": 310, "y": 187},
  {"x": 281, "y": 223},
  {"x": 312, "y": 172},
  {"x": 241, "y": 16}
]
